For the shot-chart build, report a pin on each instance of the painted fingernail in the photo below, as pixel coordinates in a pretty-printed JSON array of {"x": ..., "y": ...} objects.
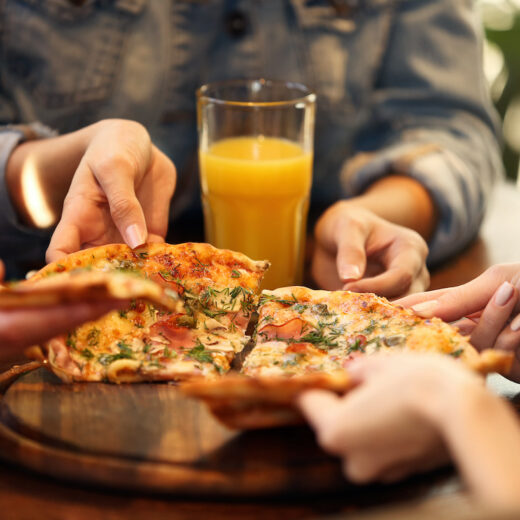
[
  {"x": 425, "y": 309},
  {"x": 350, "y": 272},
  {"x": 515, "y": 324},
  {"x": 135, "y": 236},
  {"x": 504, "y": 293}
]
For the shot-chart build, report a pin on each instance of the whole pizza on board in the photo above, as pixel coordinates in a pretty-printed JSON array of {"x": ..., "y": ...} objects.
[{"x": 194, "y": 308}]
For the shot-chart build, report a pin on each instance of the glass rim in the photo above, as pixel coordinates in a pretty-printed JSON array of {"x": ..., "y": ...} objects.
[{"x": 308, "y": 95}]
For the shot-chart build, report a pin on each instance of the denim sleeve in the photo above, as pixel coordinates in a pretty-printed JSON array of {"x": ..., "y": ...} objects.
[
  {"x": 431, "y": 118},
  {"x": 20, "y": 245}
]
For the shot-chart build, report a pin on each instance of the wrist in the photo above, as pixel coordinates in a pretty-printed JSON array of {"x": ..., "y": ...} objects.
[
  {"x": 443, "y": 399},
  {"x": 39, "y": 172},
  {"x": 401, "y": 200},
  {"x": 15, "y": 183}
]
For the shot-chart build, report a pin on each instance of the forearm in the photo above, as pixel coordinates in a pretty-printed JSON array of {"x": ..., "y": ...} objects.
[
  {"x": 485, "y": 441},
  {"x": 401, "y": 200},
  {"x": 483, "y": 436},
  {"x": 42, "y": 170}
]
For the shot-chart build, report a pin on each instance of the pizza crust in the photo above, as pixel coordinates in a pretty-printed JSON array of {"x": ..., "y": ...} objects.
[
  {"x": 242, "y": 402},
  {"x": 206, "y": 253},
  {"x": 87, "y": 286}
]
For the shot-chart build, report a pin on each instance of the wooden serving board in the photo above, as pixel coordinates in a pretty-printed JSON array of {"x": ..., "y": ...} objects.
[{"x": 151, "y": 437}]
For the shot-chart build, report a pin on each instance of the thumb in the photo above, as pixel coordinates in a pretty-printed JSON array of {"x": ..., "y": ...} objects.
[
  {"x": 318, "y": 406},
  {"x": 65, "y": 240}
]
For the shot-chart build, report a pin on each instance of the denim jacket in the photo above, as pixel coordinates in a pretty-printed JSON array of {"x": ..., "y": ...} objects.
[{"x": 399, "y": 82}]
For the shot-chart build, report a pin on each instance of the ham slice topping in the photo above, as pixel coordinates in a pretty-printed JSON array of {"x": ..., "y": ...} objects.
[
  {"x": 176, "y": 336},
  {"x": 292, "y": 329}
]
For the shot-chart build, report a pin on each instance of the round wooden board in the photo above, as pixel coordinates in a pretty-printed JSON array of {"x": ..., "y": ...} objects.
[{"x": 151, "y": 437}]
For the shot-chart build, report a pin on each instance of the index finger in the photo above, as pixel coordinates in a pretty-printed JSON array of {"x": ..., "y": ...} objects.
[
  {"x": 455, "y": 302},
  {"x": 351, "y": 256},
  {"x": 116, "y": 178},
  {"x": 396, "y": 280},
  {"x": 65, "y": 240}
]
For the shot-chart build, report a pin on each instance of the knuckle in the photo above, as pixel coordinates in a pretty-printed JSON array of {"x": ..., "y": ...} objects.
[
  {"x": 126, "y": 125},
  {"x": 404, "y": 279},
  {"x": 168, "y": 170},
  {"x": 344, "y": 214},
  {"x": 495, "y": 271},
  {"x": 416, "y": 241},
  {"x": 509, "y": 342},
  {"x": 423, "y": 248},
  {"x": 122, "y": 206},
  {"x": 115, "y": 163}
]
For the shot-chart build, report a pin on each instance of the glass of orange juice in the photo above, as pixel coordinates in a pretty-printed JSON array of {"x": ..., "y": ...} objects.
[{"x": 255, "y": 154}]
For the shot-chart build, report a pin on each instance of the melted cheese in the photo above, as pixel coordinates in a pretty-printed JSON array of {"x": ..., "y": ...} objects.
[{"x": 302, "y": 331}]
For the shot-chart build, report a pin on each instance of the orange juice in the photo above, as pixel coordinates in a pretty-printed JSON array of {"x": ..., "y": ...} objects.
[{"x": 255, "y": 193}]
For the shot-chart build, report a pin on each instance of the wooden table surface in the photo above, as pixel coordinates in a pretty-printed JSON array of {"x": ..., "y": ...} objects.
[{"x": 27, "y": 496}]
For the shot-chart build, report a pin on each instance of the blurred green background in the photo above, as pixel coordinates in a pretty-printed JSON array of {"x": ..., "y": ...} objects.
[{"x": 502, "y": 67}]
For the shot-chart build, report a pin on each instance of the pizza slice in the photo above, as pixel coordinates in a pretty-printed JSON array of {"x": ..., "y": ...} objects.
[
  {"x": 302, "y": 331},
  {"x": 306, "y": 339},
  {"x": 86, "y": 285},
  {"x": 218, "y": 289}
]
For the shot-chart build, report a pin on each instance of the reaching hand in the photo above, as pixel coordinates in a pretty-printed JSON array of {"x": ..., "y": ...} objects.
[
  {"x": 407, "y": 411},
  {"x": 382, "y": 429},
  {"x": 487, "y": 309},
  {"x": 21, "y": 328},
  {"x": 121, "y": 189},
  {"x": 359, "y": 251}
]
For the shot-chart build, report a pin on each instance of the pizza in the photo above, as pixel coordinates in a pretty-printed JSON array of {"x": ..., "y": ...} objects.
[
  {"x": 218, "y": 291},
  {"x": 306, "y": 339},
  {"x": 195, "y": 309},
  {"x": 86, "y": 285},
  {"x": 302, "y": 331}
]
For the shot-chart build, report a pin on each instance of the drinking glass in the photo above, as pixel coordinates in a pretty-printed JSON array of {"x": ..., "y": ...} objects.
[{"x": 255, "y": 155}]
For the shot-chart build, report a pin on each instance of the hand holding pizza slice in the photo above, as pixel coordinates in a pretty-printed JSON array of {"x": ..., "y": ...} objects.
[{"x": 308, "y": 339}]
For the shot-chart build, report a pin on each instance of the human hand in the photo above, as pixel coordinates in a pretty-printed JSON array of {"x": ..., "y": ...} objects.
[
  {"x": 358, "y": 251},
  {"x": 390, "y": 425},
  {"x": 121, "y": 190},
  {"x": 486, "y": 309},
  {"x": 21, "y": 328}
]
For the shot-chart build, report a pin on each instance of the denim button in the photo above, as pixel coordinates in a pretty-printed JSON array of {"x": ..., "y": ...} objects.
[
  {"x": 236, "y": 23},
  {"x": 345, "y": 8}
]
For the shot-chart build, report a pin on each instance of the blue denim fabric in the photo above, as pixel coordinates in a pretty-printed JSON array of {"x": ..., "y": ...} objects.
[{"x": 399, "y": 82}]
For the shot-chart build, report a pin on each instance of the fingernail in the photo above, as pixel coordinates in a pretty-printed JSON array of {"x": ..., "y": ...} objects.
[
  {"x": 504, "y": 293},
  {"x": 425, "y": 309},
  {"x": 515, "y": 324},
  {"x": 350, "y": 272},
  {"x": 135, "y": 236}
]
